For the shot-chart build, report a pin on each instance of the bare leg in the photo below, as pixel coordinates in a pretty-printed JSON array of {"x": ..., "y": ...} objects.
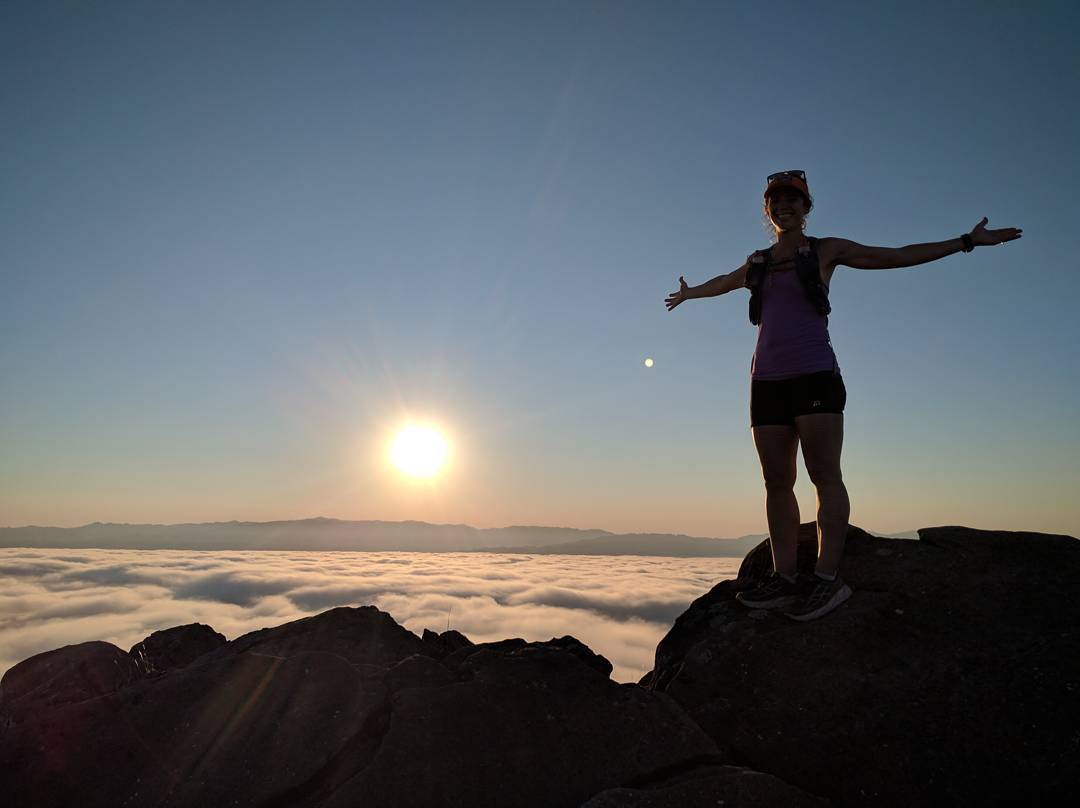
[
  {"x": 782, "y": 508},
  {"x": 822, "y": 438},
  {"x": 778, "y": 447},
  {"x": 834, "y": 508}
]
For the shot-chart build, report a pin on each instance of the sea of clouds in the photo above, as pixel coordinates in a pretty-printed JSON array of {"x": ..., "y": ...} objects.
[{"x": 620, "y": 606}]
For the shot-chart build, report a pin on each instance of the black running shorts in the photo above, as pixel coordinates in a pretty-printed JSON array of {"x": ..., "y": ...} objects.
[{"x": 778, "y": 402}]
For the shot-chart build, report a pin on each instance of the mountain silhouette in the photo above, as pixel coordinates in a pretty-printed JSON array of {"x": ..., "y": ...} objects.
[{"x": 322, "y": 533}]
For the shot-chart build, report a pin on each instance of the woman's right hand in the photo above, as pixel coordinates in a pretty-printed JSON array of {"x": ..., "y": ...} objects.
[{"x": 675, "y": 298}]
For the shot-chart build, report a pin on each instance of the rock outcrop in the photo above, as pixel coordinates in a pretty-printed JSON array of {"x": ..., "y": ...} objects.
[
  {"x": 69, "y": 674},
  {"x": 340, "y": 709},
  {"x": 949, "y": 677},
  {"x": 174, "y": 648}
]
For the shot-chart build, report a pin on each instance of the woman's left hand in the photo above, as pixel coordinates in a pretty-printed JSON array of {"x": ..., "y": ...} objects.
[{"x": 982, "y": 237}]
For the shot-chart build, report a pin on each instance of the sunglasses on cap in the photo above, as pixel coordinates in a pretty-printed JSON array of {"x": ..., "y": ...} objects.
[{"x": 786, "y": 175}]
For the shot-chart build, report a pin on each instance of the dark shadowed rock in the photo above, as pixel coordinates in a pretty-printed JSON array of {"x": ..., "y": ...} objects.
[
  {"x": 71, "y": 673},
  {"x": 574, "y": 646},
  {"x": 235, "y": 731},
  {"x": 417, "y": 671},
  {"x": 305, "y": 715},
  {"x": 362, "y": 635},
  {"x": 570, "y": 645},
  {"x": 175, "y": 647},
  {"x": 441, "y": 645},
  {"x": 453, "y": 660},
  {"x": 709, "y": 787},
  {"x": 529, "y": 725},
  {"x": 949, "y": 677}
]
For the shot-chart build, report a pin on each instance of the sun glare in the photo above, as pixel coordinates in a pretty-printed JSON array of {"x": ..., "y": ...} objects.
[{"x": 419, "y": 451}]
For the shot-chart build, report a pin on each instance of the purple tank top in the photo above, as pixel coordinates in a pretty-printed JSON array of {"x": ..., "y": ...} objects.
[{"x": 793, "y": 339}]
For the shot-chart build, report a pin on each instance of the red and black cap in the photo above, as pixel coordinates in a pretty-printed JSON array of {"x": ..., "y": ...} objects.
[{"x": 787, "y": 179}]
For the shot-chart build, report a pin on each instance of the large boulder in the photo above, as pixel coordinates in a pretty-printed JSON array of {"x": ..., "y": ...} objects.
[
  {"x": 570, "y": 645},
  {"x": 441, "y": 645},
  {"x": 239, "y": 730},
  {"x": 525, "y": 725},
  {"x": 68, "y": 674},
  {"x": 949, "y": 676},
  {"x": 362, "y": 635},
  {"x": 175, "y": 647}
]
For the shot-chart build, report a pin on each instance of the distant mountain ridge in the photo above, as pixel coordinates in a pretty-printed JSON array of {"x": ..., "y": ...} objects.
[
  {"x": 323, "y": 533},
  {"x": 648, "y": 544}
]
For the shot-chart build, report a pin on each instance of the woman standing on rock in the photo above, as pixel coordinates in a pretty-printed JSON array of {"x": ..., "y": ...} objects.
[{"x": 797, "y": 393}]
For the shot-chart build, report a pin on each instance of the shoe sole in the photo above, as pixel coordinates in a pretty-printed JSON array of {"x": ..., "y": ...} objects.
[
  {"x": 841, "y": 594},
  {"x": 774, "y": 603}
]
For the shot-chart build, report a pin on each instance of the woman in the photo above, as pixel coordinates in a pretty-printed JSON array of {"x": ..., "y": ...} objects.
[{"x": 797, "y": 393}]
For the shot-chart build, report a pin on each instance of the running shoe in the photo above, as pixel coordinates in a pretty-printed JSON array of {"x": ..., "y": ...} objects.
[
  {"x": 774, "y": 592},
  {"x": 819, "y": 598}
]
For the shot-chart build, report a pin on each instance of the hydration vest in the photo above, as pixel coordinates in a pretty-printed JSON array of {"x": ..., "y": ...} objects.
[{"x": 807, "y": 269}]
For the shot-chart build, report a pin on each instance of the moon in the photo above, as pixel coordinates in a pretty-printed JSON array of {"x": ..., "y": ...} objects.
[{"x": 419, "y": 451}]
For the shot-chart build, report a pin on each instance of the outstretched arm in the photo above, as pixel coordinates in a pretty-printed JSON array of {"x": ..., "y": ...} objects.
[
  {"x": 859, "y": 256},
  {"x": 720, "y": 285}
]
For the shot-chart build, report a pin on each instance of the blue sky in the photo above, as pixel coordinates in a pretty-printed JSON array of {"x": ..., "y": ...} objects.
[{"x": 242, "y": 245}]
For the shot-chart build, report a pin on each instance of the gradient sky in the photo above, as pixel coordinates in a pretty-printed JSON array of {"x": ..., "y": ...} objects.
[{"x": 244, "y": 243}]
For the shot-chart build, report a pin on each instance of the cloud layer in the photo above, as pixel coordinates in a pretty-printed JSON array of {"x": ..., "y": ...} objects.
[{"x": 620, "y": 606}]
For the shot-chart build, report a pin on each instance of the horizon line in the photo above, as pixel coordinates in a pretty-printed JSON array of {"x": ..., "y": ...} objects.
[{"x": 393, "y": 522}]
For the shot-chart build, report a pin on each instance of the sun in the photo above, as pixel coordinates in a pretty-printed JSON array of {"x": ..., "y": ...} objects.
[{"x": 419, "y": 451}]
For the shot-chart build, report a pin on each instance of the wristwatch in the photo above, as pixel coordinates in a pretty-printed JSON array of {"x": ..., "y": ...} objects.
[{"x": 969, "y": 245}]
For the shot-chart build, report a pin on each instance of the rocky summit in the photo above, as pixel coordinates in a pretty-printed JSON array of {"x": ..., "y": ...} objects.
[{"x": 951, "y": 676}]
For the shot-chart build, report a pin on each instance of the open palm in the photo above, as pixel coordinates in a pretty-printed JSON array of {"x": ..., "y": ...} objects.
[
  {"x": 980, "y": 236},
  {"x": 675, "y": 298}
]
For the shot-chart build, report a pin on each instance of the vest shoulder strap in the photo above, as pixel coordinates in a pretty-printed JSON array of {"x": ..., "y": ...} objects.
[{"x": 757, "y": 264}]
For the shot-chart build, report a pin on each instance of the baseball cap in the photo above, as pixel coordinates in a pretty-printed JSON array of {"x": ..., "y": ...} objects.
[{"x": 787, "y": 179}]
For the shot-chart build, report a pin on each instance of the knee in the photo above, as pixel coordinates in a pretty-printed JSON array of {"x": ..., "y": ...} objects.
[
  {"x": 827, "y": 480},
  {"x": 779, "y": 485}
]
